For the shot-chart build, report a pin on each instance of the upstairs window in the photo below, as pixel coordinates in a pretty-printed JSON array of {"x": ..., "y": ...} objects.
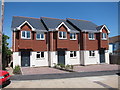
[
  {"x": 40, "y": 36},
  {"x": 91, "y": 53},
  {"x": 25, "y": 34},
  {"x": 72, "y": 53},
  {"x": 104, "y": 36},
  {"x": 40, "y": 55},
  {"x": 91, "y": 36},
  {"x": 72, "y": 36},
  {"x": 62, "y": 35}
]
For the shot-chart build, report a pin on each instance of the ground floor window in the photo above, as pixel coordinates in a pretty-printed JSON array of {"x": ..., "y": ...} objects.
[
  {"x": 91, "y": 53},
  {"x": 72, "y": 53},
  {"x": 40, "y": 55}
]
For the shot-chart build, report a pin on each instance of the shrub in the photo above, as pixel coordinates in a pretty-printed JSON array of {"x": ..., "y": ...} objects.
[
  {"x": 17, "y": 70},
  {"x": 62, "y": 66},
  {"x": 67, "y": 67}
]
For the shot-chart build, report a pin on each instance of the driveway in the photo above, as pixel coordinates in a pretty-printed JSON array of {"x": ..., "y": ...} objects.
[
  {"x": 94, "y": 68},
  {"x": 40, "y": 70}
]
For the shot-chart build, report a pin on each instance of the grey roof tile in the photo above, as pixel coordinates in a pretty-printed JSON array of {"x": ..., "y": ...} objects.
[
  {"x": 35, "y": 22},
  {"x": 53, "y": 23},
  {"x": 82, "y": 24}
]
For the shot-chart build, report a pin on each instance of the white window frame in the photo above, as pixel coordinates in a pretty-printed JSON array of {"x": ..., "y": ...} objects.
[
  {"x": 40, "y": 36},
  {"x": 73, "y": 36},
  {"x": 103, "y": 36},
  {"x": 92, "y": 53},
  {"x": 93, "y": 36},
  {"x": 62, "y": 35},
  {"x": 72, "y": 52},
  {"x": 25, "y": 35},
  {"x": 40, "y": 55}
]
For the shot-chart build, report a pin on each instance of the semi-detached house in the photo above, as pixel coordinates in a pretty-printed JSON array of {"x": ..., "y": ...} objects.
[{"x": 47, "y": 41}]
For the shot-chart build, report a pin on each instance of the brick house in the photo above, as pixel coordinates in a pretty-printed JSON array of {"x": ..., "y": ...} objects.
[{"x": 47, "y": 41}]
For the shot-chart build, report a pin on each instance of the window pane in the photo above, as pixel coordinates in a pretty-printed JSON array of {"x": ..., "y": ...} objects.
[
  {"x": 42, "y": 36},
  {"x": 71, "y": 55},
  {"x": 23, "y": 33},
  {"x": 38, "y": 56},
  {"x": 28, "y": 34},
  {"x": 60, "y": 34},
  {"x": 42, "y": 54},
  {"x": 74, "y": 53},
  {"x": 90, "y": 35},
  {"x": 64, "y": 34},
  {"x": 74, "y": 36},
  {"x": 70, "y": 35},
  {"x": 38, "y": 36},
  {"x": 90, "y": 54}
]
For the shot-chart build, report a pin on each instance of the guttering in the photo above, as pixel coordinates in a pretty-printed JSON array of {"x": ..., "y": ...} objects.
[{"x": 92, "y": 31}]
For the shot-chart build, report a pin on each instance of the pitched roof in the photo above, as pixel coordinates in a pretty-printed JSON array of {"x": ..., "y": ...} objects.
[
  {"x": 114, "y": 39},
  {"x": 34, "y": 22},
  {"x": 53, "y": 23},
  {"x": 82, "y": 24}
]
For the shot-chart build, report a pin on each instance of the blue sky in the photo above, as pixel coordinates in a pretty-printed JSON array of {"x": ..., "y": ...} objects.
[{"x": 97, "y": 12}]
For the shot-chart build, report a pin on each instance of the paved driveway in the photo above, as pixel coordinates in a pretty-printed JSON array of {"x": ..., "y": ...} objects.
[
  {"x": 101, "y": 67},
  {"x": 40, "y": 70}
]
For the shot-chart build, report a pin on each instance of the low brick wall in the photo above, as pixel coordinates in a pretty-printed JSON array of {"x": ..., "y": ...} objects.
[{"x": 115, "y": 59}]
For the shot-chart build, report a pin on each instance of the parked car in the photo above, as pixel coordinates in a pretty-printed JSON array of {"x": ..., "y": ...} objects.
[{"x": 4, "y": 77}]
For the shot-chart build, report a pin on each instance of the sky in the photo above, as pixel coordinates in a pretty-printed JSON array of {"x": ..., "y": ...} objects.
[{"x": 98, "y": 12}]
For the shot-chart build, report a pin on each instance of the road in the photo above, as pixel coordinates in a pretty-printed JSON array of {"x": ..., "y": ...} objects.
[{"x": 106, "y": 81}]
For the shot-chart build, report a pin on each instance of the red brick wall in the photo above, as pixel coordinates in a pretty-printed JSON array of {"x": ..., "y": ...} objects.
[
  {"x": 104, "y": 43},
  {"x": 35, "y": 45},
  {"x": 67, "y": 44}
]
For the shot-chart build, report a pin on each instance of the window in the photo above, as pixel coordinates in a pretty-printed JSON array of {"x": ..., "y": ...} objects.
[
  {"x": 40, "y": 55},
  {"x": 40, "y": 36},
  {"x": 104, "y": 36},
  {"x": 91, "y": 53},
  {"x": 25, "y": 34},
  {"x": 72, "y": 36},
  {"x": 62, "y": 35},
  {"x": 72, "y": 53},
  {"x": 91, "y": 36}
]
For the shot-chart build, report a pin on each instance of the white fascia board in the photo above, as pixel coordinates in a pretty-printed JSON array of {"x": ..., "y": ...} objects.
[
  {"x": 33, "y": 29},
  {"x": 37, "y": 30},
  {"x": 106, "y": 29},
  {"x": 61, "y": 25},
  {"x": 74, "y": 31}
]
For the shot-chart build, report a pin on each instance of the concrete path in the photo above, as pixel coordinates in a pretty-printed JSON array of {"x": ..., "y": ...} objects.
[
  {"x": 108, "y": 81},
  {"x": 40, "y": 70},
  {"x": 101, "y": 67}
]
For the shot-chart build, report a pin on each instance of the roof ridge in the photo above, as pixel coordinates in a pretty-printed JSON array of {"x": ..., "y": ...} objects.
[
  {"x": 78, "y": 19},
  {"x": 52, "y": 18},
  {"x": 26, "y": 17}
]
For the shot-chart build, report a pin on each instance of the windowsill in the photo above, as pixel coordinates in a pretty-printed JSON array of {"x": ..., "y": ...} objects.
[
  {"x": 91, "y": 39},
  {"x": 26, "y": 38},
  {"x": 104, "y": 39},
  {"x": 91, "y": 56},
  {"x": 73, "y": 57},
  {"x": 39, "y": 58},
  {"x": 62, "y": 38},
  {"x": 73, "y": 39},
  {"x": 40, "y": 39}
]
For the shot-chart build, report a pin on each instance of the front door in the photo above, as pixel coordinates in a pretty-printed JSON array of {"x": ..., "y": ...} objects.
[
  {"x": 102, "y": 56},
  {"x": 25, "y": 58},
  {"x": 61, "y": 57}
]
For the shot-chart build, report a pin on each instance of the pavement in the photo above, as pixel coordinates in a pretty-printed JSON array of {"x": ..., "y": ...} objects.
[
  {"x": 107, "y": 81},
  {"x": 98, "y": 67}
]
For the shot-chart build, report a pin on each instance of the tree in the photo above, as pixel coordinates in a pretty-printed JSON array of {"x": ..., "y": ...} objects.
[{"x": 6, "y": 52}]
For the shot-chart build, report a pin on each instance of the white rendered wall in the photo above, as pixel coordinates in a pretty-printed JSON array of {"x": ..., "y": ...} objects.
[
  {"x": 90, "y": 59},
  {"x": 107, "y": 57},
  {"x": 34, "y": 62},
  {"x": 16, "y": 59},
  {"x": 53, "y": 58},
  {"x": 72, "y": 60}
]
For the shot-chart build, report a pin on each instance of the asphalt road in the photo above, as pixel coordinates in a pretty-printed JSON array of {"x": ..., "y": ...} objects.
[{"x": 62, "y": 75}]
